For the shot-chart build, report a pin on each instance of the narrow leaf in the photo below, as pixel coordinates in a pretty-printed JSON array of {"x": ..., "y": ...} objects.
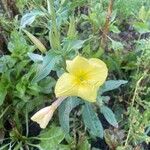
[
  {"x": 109, "y": 116},
  {"x": 36, "y": 41},
  {"x": 3, "y": 93},
  {"x": 92, "y": 121},
  {"x": 29, "y": 18},
  {"x": 112, "y": 84},
  {"x": 64, "y": 111},
  {"x": 35, "y": 57},
  {"x": 48, "y": 64}
]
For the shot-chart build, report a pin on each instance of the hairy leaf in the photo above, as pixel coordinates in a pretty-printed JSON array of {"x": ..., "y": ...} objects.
[
  {"x": 112, "y": 84},
  {"x": 48, "y": 64},
  {"x": 64, "y": 111},
  {"x": 92, "y": 121},
  {"x": 109, "y": 115}
]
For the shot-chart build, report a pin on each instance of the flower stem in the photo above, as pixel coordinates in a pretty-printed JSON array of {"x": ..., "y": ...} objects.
[{"x": 58, "y": 102}]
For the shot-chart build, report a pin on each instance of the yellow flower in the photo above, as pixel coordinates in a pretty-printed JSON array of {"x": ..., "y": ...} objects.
[
  {"x": 43, "y": 116},
  {"x": 83, "y": 79}
]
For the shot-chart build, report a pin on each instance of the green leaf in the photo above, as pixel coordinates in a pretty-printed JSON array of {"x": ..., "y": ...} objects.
[
  {"x": 73, "y": 44},
  {"x": 6, "y": 62},
  {"x": 51, "y": 138},
  {"x": 48, "y": 64},
  {"x": 114, "y": 28},
  {"x": 109, "y": 115},
  {"x": 35, "y": 57},
  {"x": 17, "y": 44},
  {"x": 64, "y": 147},
  {"x": 77, "y": 44},
  {"x": 3, "y": 93},
  {"x": 92, "y": 121},
  {"x": 142, "y": 13},
  {"x": 117, "y": 45},
  {"x": 64, "y": 111},
  {"x": 29, "y": 18},
  {"x": 46, "y": 85},
  {"x": 21, "y": 88},
  {"x": 141, "y": 27},
  {"x": 112, "y": 84}
]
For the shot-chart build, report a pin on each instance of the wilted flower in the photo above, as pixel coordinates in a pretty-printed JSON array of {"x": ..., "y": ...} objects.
[
  {"x": 83, "y": 78},
  {"x": 43, "y": 116}
]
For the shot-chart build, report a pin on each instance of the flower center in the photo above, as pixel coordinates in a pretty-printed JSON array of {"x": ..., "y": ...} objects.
[{"x": 81, "y": 78}]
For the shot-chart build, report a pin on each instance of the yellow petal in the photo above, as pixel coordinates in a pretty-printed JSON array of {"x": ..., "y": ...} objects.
[
  {"x": 79, "y": 65},
  {"x": 43, "y": 116},
  {"x": 66, "y": 85},
  {"x": 88, "y": 92},
  {"x": 98, "y": 73}
]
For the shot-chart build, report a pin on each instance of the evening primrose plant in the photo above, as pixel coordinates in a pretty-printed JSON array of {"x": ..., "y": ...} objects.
[
  {"x": 83, "y": 79},
  {"x": 78, "y": 81}
]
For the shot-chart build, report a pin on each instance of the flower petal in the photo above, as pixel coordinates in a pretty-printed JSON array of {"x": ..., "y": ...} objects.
[
  {"x": 66, "y": 85},
  {"x": 88, "y": 92},
  {"x": 43, "y": 116},
  {"x": 98, "y": 73},
  {"x": 44, "y": 122},
  {"x": 78, "y": 65}
]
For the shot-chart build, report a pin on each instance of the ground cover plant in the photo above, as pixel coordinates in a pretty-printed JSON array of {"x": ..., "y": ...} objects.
[{"x": 74, "y": 75}]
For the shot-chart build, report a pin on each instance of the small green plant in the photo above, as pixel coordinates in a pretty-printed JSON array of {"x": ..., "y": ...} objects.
[{"x": 56, "y": 56}]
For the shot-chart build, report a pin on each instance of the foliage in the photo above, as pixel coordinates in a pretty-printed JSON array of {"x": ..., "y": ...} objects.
[{"x": 37, "y": 41}]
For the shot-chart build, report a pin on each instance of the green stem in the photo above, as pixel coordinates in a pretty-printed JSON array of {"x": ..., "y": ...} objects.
[
  {"x": 132, "y": 104},
  {"x": 27, "y": 125},
  {"x": 54, "y": 29},
  {"x": 4, "y": 112}
]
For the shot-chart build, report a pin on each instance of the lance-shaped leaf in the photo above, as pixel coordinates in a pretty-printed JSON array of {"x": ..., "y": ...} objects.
[
  {"x": 48, "y": 64},
  {"x": 109, "y": 115},
  {"x": 64, "y": 111},
  {"x": 92, "y": 121},
  {"x": 112, "y": 84}
]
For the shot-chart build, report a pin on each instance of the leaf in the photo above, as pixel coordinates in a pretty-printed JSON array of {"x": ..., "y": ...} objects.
[
  {"x": 29, "y": 18},
  {"x": 92, "y": 121},
  {"x": 141, "y": 27},
  {"x": 48, "y": 64},
  {"x": 64, "y": 111},
  {"x": 6, "y": 61},
  {"x": 36, "y": 41},
  {"x": 3, "y": 92},
  {"x": 142, "y": 13},
  {"x": 114, "y": 28},
  {"x": 117, "y": 45},
  {"x": 21, "y": 88},
  {"x": 77, "y": 44},
  {"x": 35, "y": 57},
  {"x": 109, "y": 115},
  {"x": 18, "y": 44},
  {"x": 51, "y": 138},
  {"x": 64, "y": 147},
  {"x": 112, "y": 84},
  {"x": 46, "y": 85},
  {"x": 73, "y": 44}
]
